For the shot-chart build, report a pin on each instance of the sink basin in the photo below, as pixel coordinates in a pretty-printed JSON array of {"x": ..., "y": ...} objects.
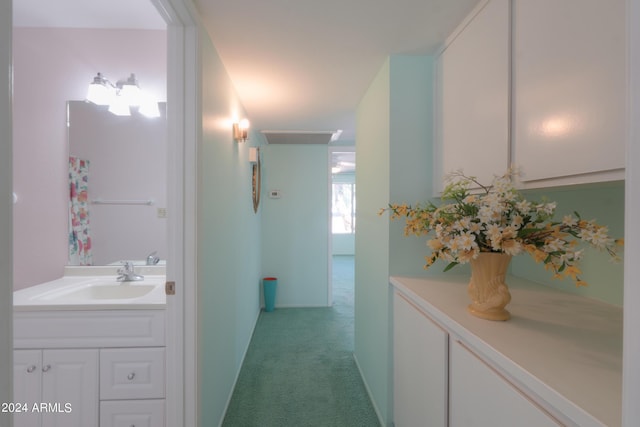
[
  {"x": 87, "y": 292},
  {"x": 120, "y": 291}
]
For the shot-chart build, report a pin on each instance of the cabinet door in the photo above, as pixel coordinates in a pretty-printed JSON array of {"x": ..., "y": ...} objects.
[
  {"x": 480, "y": 397},
  {"x": 419, "y": 367},
  {"x": 27, "y": 386},
  {"x": 569, "y": 84},
  {"x": 70, "y": 388},
  {"x": 473, "y": 118}
]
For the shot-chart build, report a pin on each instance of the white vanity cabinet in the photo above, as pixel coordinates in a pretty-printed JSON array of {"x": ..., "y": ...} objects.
[
  {"x": 556, "y": 362},
  {"x": 56, "y": 387},
  {"x": 126, "y": 376},
  {"x": 90, "y": 367},
  {"x": 132, "y": 413}
]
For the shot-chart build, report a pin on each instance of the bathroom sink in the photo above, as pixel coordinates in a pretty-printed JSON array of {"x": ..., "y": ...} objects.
[
  {"x": 117, "y": 291},
  {"x": 86, "y": 292}
]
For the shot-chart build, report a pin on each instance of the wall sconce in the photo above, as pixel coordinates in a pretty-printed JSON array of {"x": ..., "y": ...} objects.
[
  {"x": 120, "y": 97},
  {"x": 241, "y": 130}
]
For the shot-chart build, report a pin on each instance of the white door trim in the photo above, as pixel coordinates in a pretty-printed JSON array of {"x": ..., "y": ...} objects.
[{"x": 182, "y": 399}]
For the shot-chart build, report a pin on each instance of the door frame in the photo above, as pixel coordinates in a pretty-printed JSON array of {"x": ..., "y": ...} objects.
[{"x": 182, "y": 397}]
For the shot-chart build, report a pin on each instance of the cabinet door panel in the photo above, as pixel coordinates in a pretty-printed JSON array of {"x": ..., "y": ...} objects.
[
  {"x": 569, "y": 83},
  {"x": 420, "y": 368},
  {"x": 70, "y": 387},
  {"x": 473, "y": 78},
  {"x": 27, "y": 385},
  {"x": 480, "y": 397},
  {"x": 132, "y": 373}
]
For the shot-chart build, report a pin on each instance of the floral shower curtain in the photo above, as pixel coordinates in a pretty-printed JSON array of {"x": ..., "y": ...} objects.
[{"x": 79, "y": 236}]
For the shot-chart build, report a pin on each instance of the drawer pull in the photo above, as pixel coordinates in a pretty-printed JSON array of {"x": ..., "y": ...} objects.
[
  {"x": 31, "y": 368},
  {"x": 131, "y": 376},
  {"x": 46, "y": 368}
]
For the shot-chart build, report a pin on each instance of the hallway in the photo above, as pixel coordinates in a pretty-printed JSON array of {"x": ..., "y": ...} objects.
[{"x": 299, "y": 370}]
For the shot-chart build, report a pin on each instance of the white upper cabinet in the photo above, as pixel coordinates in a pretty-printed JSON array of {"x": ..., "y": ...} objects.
[
  {"x": 569, "y": 89},
  {"x": 473, "y": 96},
  {"x": 538, "y": 84}
]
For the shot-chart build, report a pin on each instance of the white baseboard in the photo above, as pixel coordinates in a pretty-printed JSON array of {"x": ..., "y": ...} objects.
[
  {"x": 246, "y": 349},
  {"x": 366, "y": 386}
]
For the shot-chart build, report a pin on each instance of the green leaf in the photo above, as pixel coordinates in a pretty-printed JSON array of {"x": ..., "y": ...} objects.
[{"x": 450, "y": 266}]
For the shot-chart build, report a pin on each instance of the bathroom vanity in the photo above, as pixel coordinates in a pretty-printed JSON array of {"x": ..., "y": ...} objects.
[{"x": 89, "y": 351}]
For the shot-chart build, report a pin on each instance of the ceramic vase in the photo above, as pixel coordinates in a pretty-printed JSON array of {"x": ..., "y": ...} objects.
[{"x": 487, "y": 288}]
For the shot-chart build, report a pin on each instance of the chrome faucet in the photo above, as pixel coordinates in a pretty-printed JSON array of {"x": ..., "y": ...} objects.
[
  {"x": 127, "y": 274},
  {"x": 152, "y": 259}
]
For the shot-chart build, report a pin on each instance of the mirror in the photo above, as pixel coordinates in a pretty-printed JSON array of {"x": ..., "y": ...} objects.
[{"x": 118, "y": 182}]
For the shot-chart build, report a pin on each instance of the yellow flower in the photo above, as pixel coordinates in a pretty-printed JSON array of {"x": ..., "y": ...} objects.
[
  {"x": 581, "y": 283},
  {"x": 435, "y": 244},
  {"x": 466, "y": 255},
  {"x": 539, "y": 255},
  {"x": 572, "y": 271}
]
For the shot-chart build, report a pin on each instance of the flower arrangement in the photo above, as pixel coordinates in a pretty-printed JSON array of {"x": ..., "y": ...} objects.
[{"x": 499, "y": 219}]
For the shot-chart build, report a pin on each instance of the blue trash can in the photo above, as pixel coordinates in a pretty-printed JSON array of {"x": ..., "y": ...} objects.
[{"x": 269, "y": 285}]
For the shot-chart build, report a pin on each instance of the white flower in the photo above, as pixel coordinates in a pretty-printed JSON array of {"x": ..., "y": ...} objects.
[
  {"x": 467, "y": 241},
  {"x": 523, "y": 206},
  {"x": 600, "y": 238},
  {"x": 547, "y": 208},
  {"x": 517, "y": 221},
  {"x": 569, "y": 220},
  {"x": 554, "y": 245},
  {"x": 512, "y": 247}
]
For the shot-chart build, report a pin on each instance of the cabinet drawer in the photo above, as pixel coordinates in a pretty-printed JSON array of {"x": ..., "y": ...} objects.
[
  {"x": 132, "y": 413},
  {"x": 132, "y": 373},
  {"x": 82, "y": 329}
]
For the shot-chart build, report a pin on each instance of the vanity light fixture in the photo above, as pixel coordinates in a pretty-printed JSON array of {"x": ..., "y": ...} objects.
[
  {"x": 120, "y": 97},
  {"x": 130, "y": 91},
  {"x": 101, "y": 91},
  {"x": 241, "y": 130}
]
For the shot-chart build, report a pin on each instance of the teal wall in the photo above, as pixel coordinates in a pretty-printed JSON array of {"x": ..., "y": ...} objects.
[
  {"x": 372, "y": 241},
  {"x": 605, "y": 204},
  {"x": 394, "y": 151},
  {"x": 229, "y": 247},
  {"x": 295, "y": 227}
]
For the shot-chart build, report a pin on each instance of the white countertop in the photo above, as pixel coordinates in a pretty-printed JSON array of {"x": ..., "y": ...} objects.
[
  {"x": 562, "y": 347},
  {"x": 53, "y": 295}
]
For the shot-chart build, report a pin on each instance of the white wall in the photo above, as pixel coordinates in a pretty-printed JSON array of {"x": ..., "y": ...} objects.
[
  {"x": 295, "y": 230},
  {"x": 52, "y": 66},
  {"x": 6, "y": 265}
]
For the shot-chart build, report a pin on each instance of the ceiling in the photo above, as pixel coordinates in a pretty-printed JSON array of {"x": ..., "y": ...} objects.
[{"x": 298, "y": 65}]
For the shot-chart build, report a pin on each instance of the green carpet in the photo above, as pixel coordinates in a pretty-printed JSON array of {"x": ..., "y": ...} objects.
[{"x": 299, "y": 370}]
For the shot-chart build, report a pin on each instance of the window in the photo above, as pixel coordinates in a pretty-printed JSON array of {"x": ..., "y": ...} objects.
[{"x": 343, "y": 208}]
